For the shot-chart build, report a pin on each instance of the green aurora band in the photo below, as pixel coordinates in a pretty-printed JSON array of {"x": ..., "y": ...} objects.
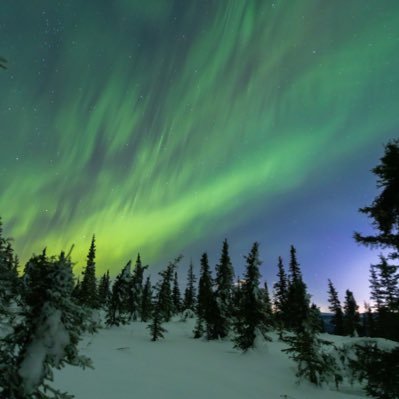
[{"x": 154, "y": 124}]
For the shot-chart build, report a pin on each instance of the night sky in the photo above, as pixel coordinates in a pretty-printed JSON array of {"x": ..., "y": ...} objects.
[{"x": 165, "y": 126}]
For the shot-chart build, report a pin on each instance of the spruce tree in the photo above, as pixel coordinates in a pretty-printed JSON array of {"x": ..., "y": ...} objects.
[
  {"x": 314, "y": 363},
  {"x": 88, "y": 289},
  {"x": 385, "y": 294},
  {"x": 224, "y": 290},
  {"x": 335, "y": 307},
  {"x": 176, "y": 298},
  {"x": 384, "y": 210},
  {"x": 250, "y": 317},
  {"x": 155, "y": 327},
  {"x": 280, "y": 295},
  {"x": 297, "y": 296},
  {"x": 146, "y": 305},
  {"x": 51, "y": 324},
  {"x": 118, "y": 309},
  {"x": 351, "y": 315},
  {"x": 104, "y": 290},
  {"x": 207, "y": 310},
  {"x": 136, "y": 289},
  {"x": 166, "y": 306},
  {"x": 267, "y": 302},
  {"x": 190, "y": 300}
]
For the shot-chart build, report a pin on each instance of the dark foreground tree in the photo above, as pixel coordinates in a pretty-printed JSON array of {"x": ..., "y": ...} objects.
[
  {"x": 104, "y": 290},
  {"x": 155, "y": 327},
  {"x": 146, "y": 304},
  {"x": 118, "y": 309},
  {"x": 314, "y": 363},
  {"x": 88, "y": 289},
  {"x": 351, "y": 315},
  {"x": 250, "y": 317},
  {"x": 335, "y": 307},
  {"x": 280, "y": 297},
  {"x": 379, "y": 368},
  {"x": 297, "y": 296},
  {"x": 190, "y": 295},
  {"x": 224, "y": 290},
  {"x": 384, "y": 210},
  {"x": 47, "y": 332}
]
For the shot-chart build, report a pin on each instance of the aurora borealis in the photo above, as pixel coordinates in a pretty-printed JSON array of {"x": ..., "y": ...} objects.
[{"x": 165, "y": 126}]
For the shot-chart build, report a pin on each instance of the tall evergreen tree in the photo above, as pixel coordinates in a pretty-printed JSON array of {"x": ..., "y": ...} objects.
[
  {"x": 104, "y": 290},
  {"x": 267, "y": 302},
  {"x": 384, "y": 210},
  {"x": 118, "y": 310},
  {"x": 297, "y": 296},
  {"x": 335, "y": 307},
  {"x": 136, "y": 289},
  {"x": 224, "y": 290},
  {"x": 176, "y": 297},
  {"x": 166, "y": 306},
  {"x": 88, "y": 289},
  {"x": 384, "y": 287},
  {"x": 351, "y": 314},
  {"x": 280, "y": 295},
  {"x": 190, "y": 295},
  {"x": 250, "y": 317},
  {"x": 146, "y": 304},
  {"x": 156, "y": 329},
  {"x": 207, "y": 311}
]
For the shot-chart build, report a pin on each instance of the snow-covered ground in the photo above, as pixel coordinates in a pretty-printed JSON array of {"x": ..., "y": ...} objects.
[{"x": 128, "y": 365}]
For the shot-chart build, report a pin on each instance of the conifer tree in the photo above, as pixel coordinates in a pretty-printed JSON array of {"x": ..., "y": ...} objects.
[
  {"x": 118, "y": 310},
  {"x": 267, "y": 303},
  {"x": 104, "y": 290},
  {"x": 176, "y": 295},
  {"x": 156, "y": 329},
  {"x": 88, "y": 289},
  {"x": 207, "y": 311},
  {"x": 384, "y": 210},
  {"x": 314, "y": 363},
  {"x": 280, "y": 296},
  {"x": 224, "y": 290},
  {"x": 385, "y": 294},
  {"x": 297, "y": 296},
  {"x": 315, "y": 320},
  {"x": 351, "y": 315},
  {"x": 136, "y": 289},
  {"x": 166, "y": 306},
  {"x": 146, "y": 305},
  {"x": 190, "y": 301},
  {"x": 335, "y": 307},
  {"x": 250, "y": 317},
  {"x": 50, "y": 324}
]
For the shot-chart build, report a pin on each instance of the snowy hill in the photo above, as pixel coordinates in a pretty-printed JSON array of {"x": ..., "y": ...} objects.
[{"x": 128, "y": 365}]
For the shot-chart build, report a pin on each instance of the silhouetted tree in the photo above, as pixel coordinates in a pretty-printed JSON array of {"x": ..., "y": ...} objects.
[
  {"x": 146, "y": 305},
  {"x": 384, "y": 210},
  {"x": 88, "y": 290},
  {"x": 224, "y": 290},
  {"x": 280, "y": 295},
  {"x": 335, "y": 307},
  {"x": 251, "y": 317},
  {"x": 136, "y": 289},
  {"x": 176, "y": 295},
  {"x": 297, "y": 297},
  {"x": 190, "y": 299},
  {"x": 104, "y": 290},
  {"x": 351, "y": 315},
  {"x": 118, "y": 310}
]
